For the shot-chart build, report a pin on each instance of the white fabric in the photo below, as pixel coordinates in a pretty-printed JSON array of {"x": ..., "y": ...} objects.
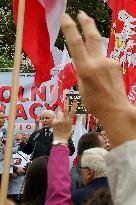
[
  {"x": 1, "y": 133},
  {"x": 54, "y": 10},
  {"x": 121, "y": 167},
  {"x": 78, "y": 132},
  {"x": 2, "y": 146},
  {"x": 21, "y": 160},
  {"x": 1, "y": 149}
]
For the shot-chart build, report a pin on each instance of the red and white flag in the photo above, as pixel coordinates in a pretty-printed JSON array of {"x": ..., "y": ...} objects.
[
  {"x": 122, "y": 43},
  {"x": 41, "y": 27},
  {"x": 66, "y": 80}
]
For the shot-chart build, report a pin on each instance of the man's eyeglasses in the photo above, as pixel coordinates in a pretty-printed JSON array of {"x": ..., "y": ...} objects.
[{"x": 80, "y": 167}]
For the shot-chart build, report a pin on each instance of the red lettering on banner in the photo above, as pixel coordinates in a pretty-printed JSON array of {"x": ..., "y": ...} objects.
[
  {"x": 2, "y": 90},
  {"x": 20, "y": 112},
  {"x": 32, "y": 110},
  {"x": 28, "y": 127},
  {"x": 36, "y": 92},
  {"x": 20, "y": 127},
  {"x": 48, "y": 107},
  {"x": 2, "y": 107},
  {"x": 20, "y": 95}
]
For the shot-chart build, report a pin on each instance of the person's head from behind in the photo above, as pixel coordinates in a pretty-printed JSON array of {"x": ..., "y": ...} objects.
[
  {"x": 46, "y": 118},
  {"x": 92, "y": 164},
  {"x": 100, "y": 197},
  {"x": 87, "y": 141},
  {"x": 36, "y": 182},
  {"x": 2, "y": 118}
]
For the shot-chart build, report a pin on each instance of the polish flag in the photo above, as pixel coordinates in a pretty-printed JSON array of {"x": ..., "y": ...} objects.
[
  {"x": 66, "y": 77},
  {"x": 41, "y": 27},
  {"x": 66, "y": 80},
  {"x": 122, "y": 42}
]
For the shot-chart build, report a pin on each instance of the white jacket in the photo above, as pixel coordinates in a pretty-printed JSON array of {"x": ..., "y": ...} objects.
[{"x": 121, "y": 168}]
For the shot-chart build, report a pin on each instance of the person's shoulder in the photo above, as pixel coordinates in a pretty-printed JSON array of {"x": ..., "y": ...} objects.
[
  {"x": 42, "y": 130},
  {"x": 77, "y": 195}
]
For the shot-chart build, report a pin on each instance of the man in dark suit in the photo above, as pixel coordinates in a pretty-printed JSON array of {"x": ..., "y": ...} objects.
[{"x": 40, "y": 141}]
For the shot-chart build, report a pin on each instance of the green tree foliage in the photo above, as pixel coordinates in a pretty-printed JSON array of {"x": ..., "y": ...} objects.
[
  {"x": 95, "y": 8},
  {"x": 7, "y": 34}
]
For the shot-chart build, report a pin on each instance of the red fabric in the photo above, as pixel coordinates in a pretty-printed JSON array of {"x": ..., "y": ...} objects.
[
  {"x": 110, "y": 3},
  {"x": 123, "y": 33},
  {"x": 66, "y": 80},
  {"x": 74, "y": 120},
  {"x": 68, "y": 76},
  {"x": 91, "y": 122},
  {"x": 36, "y": 41},
  {"x": 75, "y": 161}
]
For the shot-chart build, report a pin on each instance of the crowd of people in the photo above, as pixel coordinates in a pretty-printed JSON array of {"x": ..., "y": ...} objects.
[
  {"x": 102, "y": 174},
  {"x": 36, "y": 150}
]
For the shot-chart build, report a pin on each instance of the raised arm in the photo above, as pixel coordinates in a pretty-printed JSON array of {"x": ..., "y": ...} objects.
[
  {"x": 102, "y": 90},
  {"x": 58, "y": 166}
]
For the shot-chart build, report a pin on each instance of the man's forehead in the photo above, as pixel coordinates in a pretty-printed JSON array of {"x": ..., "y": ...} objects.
[{"x": 19, "y": 135}]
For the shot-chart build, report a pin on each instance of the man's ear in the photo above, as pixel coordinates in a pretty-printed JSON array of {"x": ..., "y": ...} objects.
[{"x": 90, "y": 174}]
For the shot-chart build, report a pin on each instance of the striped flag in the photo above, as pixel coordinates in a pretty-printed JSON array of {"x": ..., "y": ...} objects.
[{"x": 41, "y": 27}]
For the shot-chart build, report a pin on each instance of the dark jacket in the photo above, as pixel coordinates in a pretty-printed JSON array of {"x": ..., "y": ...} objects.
[
  {"x": 40, "y": 144},
  {"x": 76, "y": 180},
  {"x": 79, "y": 196}
]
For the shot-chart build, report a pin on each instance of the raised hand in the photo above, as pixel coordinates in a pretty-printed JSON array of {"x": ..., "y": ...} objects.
[
  {"x": 99, "y": 80},
  {"x": 62, "y": 124}
]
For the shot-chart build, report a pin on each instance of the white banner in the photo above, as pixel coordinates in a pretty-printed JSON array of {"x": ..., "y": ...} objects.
[{"x": 31, "y": 100}]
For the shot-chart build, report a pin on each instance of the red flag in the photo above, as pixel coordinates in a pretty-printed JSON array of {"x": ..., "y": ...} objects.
[
  {"x": 66, "y": 80},
  {"x": 41, "y": 27},
  {"x": 110, "y": 3},
  {"x": 122, "y": 44}
]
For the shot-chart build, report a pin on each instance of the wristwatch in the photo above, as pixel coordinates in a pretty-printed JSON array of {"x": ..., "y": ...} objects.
[{"x": 60, "y": 141}]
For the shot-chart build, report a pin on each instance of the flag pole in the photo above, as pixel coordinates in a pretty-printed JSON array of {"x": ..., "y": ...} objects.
[{"x": 14, "y": 95}]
